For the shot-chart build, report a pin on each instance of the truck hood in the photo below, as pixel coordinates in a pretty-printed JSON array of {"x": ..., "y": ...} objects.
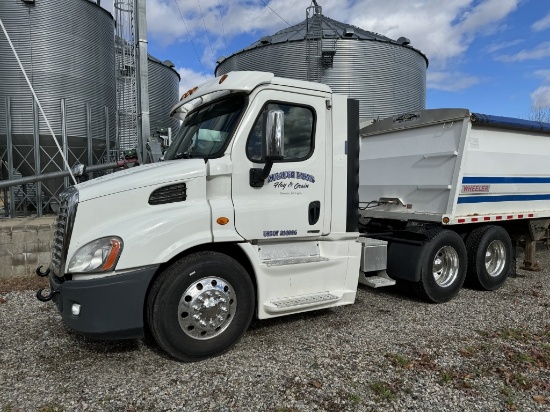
[{"x": 142, "y": 176}]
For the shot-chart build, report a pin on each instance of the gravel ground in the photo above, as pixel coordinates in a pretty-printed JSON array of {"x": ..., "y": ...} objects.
[{"x": 483, "y": 351}]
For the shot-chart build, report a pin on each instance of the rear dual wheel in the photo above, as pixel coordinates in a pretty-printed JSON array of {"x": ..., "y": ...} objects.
[
  {"x": 489, "y": 257},
  {"x": 443, "y": 266}
]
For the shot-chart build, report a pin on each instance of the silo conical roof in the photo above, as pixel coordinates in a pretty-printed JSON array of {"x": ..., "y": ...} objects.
[
  {"x": 331, "y": 29},
  {"x": 387, "y": 76}
]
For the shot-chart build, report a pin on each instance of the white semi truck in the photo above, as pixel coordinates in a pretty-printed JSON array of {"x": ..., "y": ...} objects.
[{"x": 268, "y": 203}]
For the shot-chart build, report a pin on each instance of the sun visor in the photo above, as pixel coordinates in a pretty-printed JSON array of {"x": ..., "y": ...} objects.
[{"x": 228, "y": 83}]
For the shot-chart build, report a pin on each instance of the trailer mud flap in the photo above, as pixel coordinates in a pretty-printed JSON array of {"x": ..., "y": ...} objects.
[{"x": 404, "y": 259}]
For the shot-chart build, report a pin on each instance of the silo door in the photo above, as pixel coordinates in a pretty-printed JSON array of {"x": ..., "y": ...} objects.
[{"x": 292, "y": 202}]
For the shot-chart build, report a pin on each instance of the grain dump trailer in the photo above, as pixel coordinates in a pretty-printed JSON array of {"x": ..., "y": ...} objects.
[
  {"x": 484, "y": 178},
  {"x": 255, "y": 211}
]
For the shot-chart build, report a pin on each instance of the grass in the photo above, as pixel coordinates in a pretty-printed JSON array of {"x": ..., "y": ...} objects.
[
  {"x": 399, "y": 360},
  {"x": 354, "y": 399},
  {"x": 513, "y": 334},
  {"x": 521, "y": 381},
  {"x": 509, "y": 398},
  {"x": 383, "y": 390},
  {"x": 525, "y": 358},
  {"x": 447, "y": 376},
  {"x": 467, "y": 351}
]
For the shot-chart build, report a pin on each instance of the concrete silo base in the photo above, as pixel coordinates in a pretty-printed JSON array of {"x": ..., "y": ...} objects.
[{"x": 24, "y": 245}]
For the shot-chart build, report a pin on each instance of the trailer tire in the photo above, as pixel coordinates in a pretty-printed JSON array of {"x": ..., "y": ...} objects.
[
  {"x": 489, "y": 257},
  {"x": 443, "y": 266},
  {"x": 200, "y": 306}
]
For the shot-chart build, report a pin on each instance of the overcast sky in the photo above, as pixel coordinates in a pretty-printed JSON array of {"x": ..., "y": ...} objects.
[{"x": 490, "y": 56}]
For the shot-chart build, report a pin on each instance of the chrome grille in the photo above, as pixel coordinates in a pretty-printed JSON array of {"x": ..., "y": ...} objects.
[
  {"x": 58, "y": 235},
  {"x": 63, "y": 229}
]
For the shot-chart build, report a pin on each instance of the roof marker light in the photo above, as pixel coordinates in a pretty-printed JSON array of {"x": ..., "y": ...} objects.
[{"x": 189, "y": 92}]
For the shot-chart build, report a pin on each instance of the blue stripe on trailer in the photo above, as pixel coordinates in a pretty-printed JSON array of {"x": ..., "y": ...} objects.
[
  {"x": 494, "y": 179},
  {"x": 501, "y": 198}
]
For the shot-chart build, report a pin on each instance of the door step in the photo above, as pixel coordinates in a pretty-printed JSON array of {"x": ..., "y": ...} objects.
[
  {"x": 294, "y": 260},
  {"x": 378, "y": 281},
  {"x": 304, "y": 300},
  {"x": 300, "y": 302},
  {"x": 290, "y": 253}
]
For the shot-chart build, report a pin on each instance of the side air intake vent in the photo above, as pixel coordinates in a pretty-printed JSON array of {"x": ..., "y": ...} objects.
[{"x": 168, "y": 194}]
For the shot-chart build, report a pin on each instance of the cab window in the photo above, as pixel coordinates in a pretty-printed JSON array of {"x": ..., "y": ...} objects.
[{"x": 299, "y": 130}]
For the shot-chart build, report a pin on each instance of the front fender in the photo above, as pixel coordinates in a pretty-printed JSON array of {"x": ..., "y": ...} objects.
[{"x": 152, "y": 234}]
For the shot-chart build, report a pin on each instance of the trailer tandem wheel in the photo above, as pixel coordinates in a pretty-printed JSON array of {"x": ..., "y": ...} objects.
[
  {"x": 443, "y": 266},
  {"x": 489, "y": 257},
  {"x": 200, "y": 306}
]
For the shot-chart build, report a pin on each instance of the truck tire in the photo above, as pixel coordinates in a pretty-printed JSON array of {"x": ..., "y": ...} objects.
[
  {"x": 489, "y": 257},
  {"x": 443, "y": 266},
  {"x": 200, "y": 306}
]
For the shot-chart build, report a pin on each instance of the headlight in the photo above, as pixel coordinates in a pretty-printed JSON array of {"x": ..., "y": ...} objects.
[{"x": 101, "y": 255}]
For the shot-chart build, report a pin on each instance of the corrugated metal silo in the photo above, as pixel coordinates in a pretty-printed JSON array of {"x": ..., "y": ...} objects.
[
  {"x": 388, "y": 77},
  {"x": 67, "y": 49},
  {"x": 163, "y": 95}
]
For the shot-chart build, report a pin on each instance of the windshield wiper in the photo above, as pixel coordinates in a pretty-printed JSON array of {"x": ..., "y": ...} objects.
[{"x": 183, "y": 156}]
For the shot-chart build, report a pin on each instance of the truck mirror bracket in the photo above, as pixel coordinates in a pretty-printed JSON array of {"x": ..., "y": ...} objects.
[{"x": 258, "y": 176}]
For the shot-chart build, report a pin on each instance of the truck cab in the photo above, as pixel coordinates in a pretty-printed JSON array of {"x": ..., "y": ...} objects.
[{"x": 253, "y": 212}]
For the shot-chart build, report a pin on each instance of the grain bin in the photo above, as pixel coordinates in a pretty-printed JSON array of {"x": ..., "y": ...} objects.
[
  {"x": 387, "y": 76},
  {"x": 163, "y": 94},
  {"x": 67, "y": 49}
]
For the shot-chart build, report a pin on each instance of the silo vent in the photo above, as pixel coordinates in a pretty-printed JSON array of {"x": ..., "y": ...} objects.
[
  {"x": 403, "y": 41},
  {"x": 169, "y": 63},
  {"x": 349, "y": 32},
  {"x": 265, "y": 40},
  {"x": 220, "y": 60},
  {"x": 316, "y": 8}
]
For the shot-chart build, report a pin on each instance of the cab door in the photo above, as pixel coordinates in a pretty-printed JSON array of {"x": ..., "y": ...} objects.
[{"x": 291, "y": 202}]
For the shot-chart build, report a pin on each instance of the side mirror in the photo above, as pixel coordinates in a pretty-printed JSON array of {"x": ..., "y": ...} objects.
[
  {"x": 78, "y": 170},
  {"x": 274, "y": 135},
  {"x": 274, "y": 145}
]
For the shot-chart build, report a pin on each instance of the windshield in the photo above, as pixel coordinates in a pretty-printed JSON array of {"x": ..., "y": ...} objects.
[{"x": 205, "y": 131}]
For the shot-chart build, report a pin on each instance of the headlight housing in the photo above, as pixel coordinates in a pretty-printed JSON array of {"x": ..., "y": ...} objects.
[{"x": 100, "y": 255}]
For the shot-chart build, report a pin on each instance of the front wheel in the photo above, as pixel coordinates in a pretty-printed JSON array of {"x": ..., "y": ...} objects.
[
  {"x": 443, "y": 266},
  {"x": 200, "y": 306},
  {"x": 489, "y": 257}
]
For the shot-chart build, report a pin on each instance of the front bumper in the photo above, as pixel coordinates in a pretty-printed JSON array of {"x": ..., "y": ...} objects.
[{"x": 110, "y": 308}]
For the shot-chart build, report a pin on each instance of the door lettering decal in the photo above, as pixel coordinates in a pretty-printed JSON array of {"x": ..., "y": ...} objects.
[{"x": 287, "y": 184}]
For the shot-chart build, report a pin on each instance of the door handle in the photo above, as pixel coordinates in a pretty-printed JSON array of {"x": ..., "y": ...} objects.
[{"x": 314, "y": 212}]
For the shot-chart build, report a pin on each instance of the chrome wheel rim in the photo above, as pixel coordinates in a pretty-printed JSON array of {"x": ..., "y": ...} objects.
[
  {"x": 495, "y": 258},
  {"x": 445, "y": 266},
  {"x": 207, "y": 308}
]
